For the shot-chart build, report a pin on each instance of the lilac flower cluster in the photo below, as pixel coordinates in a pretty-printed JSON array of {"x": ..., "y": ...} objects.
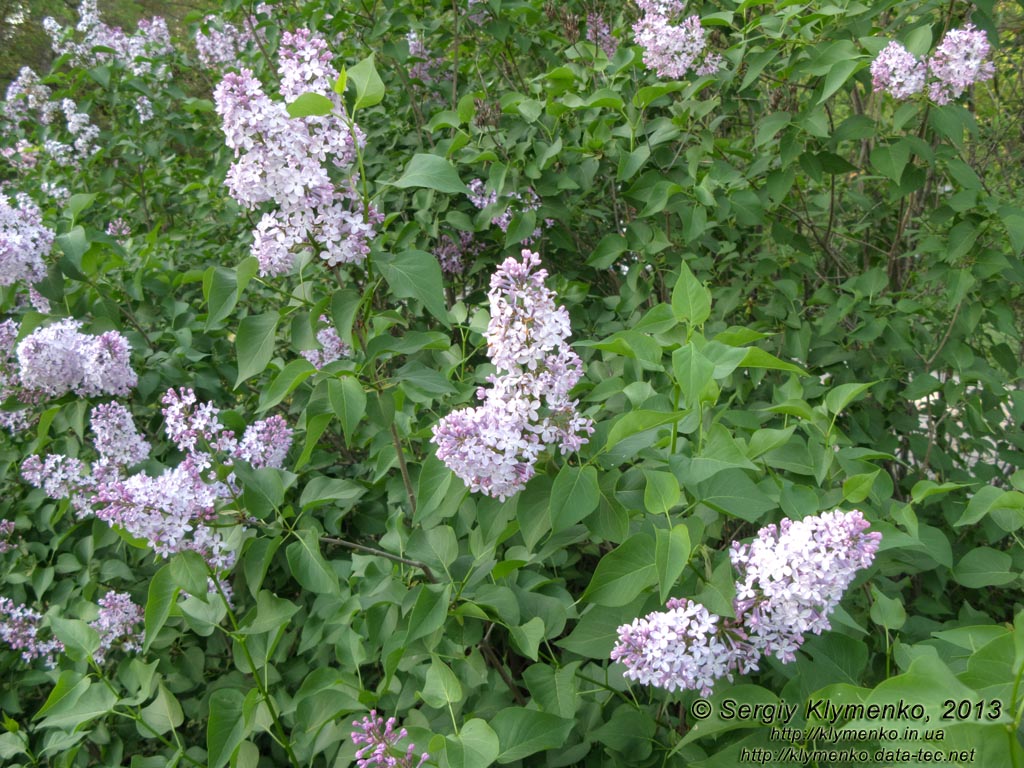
[
  {"x": 58, "y": 359},
  {"x": 24, "y": 241},
  {"x": 959, "y": 62},
  {"x": 143, "y": 52},
  {"x": 175, "y": 510},
  {"x": 222, "y": 43},
  {"x": 791, "y": 577},
  {"x": 10, "y": 385},
  {"x": 452, "y": 255},
  {"x": 6, "y": 531},
  {"x": 600, "y": 34},
  {"x": 120, "y": 229},
  {"x": 27, "y": 97},
  {"x": 19, "y": 630},
  {"x": 672, "y": 45},
  {"x": 284, "y": 161},
  {"x": 420, "y": 70},
  {"x": 493, "y": 447},
  {"x": 518, "y": 202},
  {"x": 379, "y": 744},
  {"x": 116, "y": 624},
  {"x": 331, "y": 346}
]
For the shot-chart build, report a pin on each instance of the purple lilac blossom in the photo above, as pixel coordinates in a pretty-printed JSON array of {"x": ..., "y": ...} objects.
[
  {"x": 493, "y": 447},
  {"x": 332, "y": 348},
  {"x": 284, "y": 161},
  {"x": 420, "y": 70},
  {"x": 672, "y": 45},
  {"x": 223, "y": 43},
  {"x": 117, "y": 441},
  {"x": 27, "y": 95},
  {"x": 10, "y": 382},
  {"x": 59, "y": 359},
  {"x": 24, "y": 241},
  {"x": 958, "y": 63},
  {"x": 116, "y": 624},
  {"x": 378, "y": 742},
  {"x": 452, "y": 256},
  {"x": 6, "y": 531},
  {"x": 600, "y": 34},
  {"x": 19, "y": 630},
  {"x": 898, "y": 72},
  {"x": 520, "y": 202},
  {"x": 791, "y": 577},
  {"x": 265, "y": 443}
]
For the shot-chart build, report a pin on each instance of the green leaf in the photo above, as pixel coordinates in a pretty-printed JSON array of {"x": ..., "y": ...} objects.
[
  {"x": 574, "y": 495},
  {"x": 555, "y": 691},
  {"x": 162, "y": 715},
  {"x": 731, "y": 492},
  {"x": 856, "y": 488},
  {"x": 756, "y": 357},
  {"x": 523, "y": 732},
  {"x": 226, "y": 727},
  {"x": 80, "y": 640},
  {"x": 431, "y": 172},
  {"x": 310, "y": 105},
  {"x": 189, "y": 571},
  {"x": 416, "y": 275},
  {"x": 321, "y": 490},
  {"x": 639, "y": 421},
  {"x": 270, "y": 614},
  {"x": 596, "y": 632},
  {"x": 632, "y": 162},
  {"x": 69, "y": 689},
  {"x": 429, "y": 611},
  {"x": 349, "y": 403},
  {"x": 890, "y": 160},
  {"x": 475, "y": 746},
  {"x": 837, "y": 76},
  {"x": 886, "y": 611},
  {"x": 671, "y": 554},
  {"x": 163, "y": 590},
  {"x": 623, "y": 573},
  {"x": 78, "y": 203},
  {"x": 308, "y": 566},
  {"x": 339, "y": 85},
  {"x": 74, "y": 714},
  {"x": 984, "y": 567},
  {"x": 661, "y": 491},
  {"x": 290, "y": 377},
  {"x": 691, "y": 301},
  {"x": 442, "y": 687},
  {"x": 693, "y": 372},
  {"x": 254, "y": 345},
  {"x": 607, "y": 251},
  {"x": 839, "y": 397},
  {"x": 221, "y": 294},
  {"x": 988, "y": 501},
  {"x": 369, "y": 86},
  {"x": 527, "y": 637}
]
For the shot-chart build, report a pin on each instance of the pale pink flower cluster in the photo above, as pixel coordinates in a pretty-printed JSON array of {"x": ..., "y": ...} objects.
[
  {"x": 960, "y": 61},
  {"x": 28, "y": 99},
  {"x": 494, "y": 447},
  {"x": 791, "y": 577},
  {"x": 673, "y": 45},
  {"x": 176, "y": 510},
  {"x": 290, "y": 162},
  {"x": 120, "y": 229},
  {"x": 378, "y": 742},
  {"x": 332, "y": 348},
  {"x": 58, "y": 359},
  {"x": 24, "y": 241},
  {"x": 144, "y": 53},
  {"x": 19, "y": 630},
  {"x": 116, "y": 625},
  {"x": 221, "y": 44}
]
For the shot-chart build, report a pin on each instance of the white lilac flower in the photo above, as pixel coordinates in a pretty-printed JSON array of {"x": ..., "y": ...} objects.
[
  {"x": 494, "y": 447},
  {"x": 59, "y": 359},
  {"x": 24, "y": 241},
  {"x": 672, "y": 45},
  {"x": 116, "y": 625},
  {"x": 19, "y": 630},
  {"x": 288, "y": 162},
  {"x": 791, "y": 577},
  {"x": 26, "y": 95}
]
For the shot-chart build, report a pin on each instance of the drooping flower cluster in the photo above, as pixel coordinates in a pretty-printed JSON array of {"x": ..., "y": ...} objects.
[
  {"x": 116, "y": 625},
  {"x": 791, "y": 577},
  {"x": 285, "y": 161},
  {"x": 379, "y": 744},
  {"x": 673, "y": 45},
  {"x": 960, "y": 61},
  {"x": 19, "y": 630},
  {"x": 24, "y": 241},
  {"x": 58, "y": 359},
  {"x": 174, "y": 511},
  {"x": 331, "y": 346},
  {"x": 222, "y": 43},
  {"x": 143, "y": 53},
  {"x": 6, "y": 531},
  {"x": 493, "y": 447}
]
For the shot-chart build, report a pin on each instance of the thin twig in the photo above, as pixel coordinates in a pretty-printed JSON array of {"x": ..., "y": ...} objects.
[{"x": 381, "y": 553}]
